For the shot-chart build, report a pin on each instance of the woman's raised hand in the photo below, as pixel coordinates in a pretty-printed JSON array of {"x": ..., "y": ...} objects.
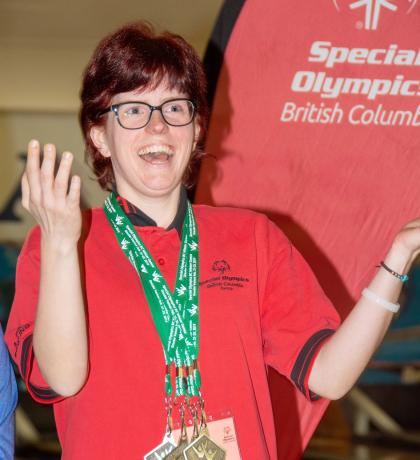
[
  {"x": 407, "y": 240},
  {"x": 54, "y": 201}
]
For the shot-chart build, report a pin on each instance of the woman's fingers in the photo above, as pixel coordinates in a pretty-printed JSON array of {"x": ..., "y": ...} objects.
[
  {"x": 25, "y": 191},
  {"x": 32, "y": 171},
  {"x": 61, "y": 183},
  {"x": 41, "y": 191},
  {"x": 73, "y": 198},
  {"x": 47, "y": 176},
  {"x": 53, "y": 200},
  {"x": 413, "y": 224}
]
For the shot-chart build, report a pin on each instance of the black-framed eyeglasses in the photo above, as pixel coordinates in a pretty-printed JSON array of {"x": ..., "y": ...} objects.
[{"x": 136, "y": 114}]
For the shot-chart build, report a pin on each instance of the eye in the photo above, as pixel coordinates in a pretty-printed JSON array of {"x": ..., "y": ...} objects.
[
  {"x": 175, "y": 107},
  {"x": 133, "y": 110}
]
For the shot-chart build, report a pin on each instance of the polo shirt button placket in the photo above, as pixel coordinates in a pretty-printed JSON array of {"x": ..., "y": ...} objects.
[{"x": 161, "y": 261}]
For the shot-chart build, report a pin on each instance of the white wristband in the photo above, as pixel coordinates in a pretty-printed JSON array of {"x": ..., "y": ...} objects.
[{"x": 368, "y": 294}]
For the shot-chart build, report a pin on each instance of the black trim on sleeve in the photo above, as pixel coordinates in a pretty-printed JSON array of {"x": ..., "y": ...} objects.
[
  {"x": 44, "y": 393},
  {"x": 300, "y": 369},
  {"x": 26, "y": 345}
]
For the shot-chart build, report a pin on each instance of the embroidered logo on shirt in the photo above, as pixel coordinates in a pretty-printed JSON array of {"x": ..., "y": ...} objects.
[
  {"x": 220, "y": 266},
  {"x": 224, "y": 282}
]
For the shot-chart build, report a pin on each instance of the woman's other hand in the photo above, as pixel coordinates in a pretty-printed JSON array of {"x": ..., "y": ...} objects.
[{"x": 407, "y": 241}]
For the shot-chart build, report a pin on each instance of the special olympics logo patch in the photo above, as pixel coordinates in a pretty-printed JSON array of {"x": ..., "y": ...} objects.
[
  {"x": 220, "y": 266},
  {"x": 372, "y": 9}
]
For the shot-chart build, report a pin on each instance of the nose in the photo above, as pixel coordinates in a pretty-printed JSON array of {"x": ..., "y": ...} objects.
[{"x": 156, "y": 123}]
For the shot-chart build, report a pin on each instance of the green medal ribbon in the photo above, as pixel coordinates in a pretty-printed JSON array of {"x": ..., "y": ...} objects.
[{"x": 176, "y": 315}]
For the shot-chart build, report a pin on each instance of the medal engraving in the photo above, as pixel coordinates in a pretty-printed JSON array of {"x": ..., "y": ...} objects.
[
  {"x": 160, "y": 452},
  {"x": 204, "y": 448}
]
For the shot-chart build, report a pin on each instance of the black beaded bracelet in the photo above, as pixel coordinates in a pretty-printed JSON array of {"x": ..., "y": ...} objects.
[{"x": 403, "y": 278}]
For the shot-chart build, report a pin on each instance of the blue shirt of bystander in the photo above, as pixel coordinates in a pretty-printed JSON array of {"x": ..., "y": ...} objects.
[{"x": 8, "y": 400}]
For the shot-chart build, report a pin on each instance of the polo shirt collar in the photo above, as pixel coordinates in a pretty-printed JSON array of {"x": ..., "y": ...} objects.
[{"x": 140, "y": 219}]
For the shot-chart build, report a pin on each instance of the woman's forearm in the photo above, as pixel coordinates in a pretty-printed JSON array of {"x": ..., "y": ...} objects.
[
  {"x": 343, "y": 358},
  {"x": 60, "y": 337}
]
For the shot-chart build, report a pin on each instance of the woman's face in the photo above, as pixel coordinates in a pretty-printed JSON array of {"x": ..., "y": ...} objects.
[{"x": 148, "y": 162}]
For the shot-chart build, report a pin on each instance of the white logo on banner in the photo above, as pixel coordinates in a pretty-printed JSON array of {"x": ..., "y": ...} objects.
[{"x": 373, "y": 9}]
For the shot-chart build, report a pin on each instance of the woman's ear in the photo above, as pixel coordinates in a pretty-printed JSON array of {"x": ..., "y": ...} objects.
[
  {"x": 197, "y": 131},
  {"x": 98, "y": 137}
]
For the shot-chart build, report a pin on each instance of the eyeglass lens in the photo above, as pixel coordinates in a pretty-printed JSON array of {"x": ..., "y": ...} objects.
[{"x": 136, "y": 114}]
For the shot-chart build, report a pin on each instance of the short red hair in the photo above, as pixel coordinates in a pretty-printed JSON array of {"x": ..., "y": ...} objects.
[{"x": 136, "y": 57}]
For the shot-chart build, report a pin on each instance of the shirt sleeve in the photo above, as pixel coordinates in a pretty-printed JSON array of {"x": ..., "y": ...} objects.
[
  {"x": 20, "y": 325},
  {"x": 297, "y": 317},
  {"x": 8, "y": 400}
]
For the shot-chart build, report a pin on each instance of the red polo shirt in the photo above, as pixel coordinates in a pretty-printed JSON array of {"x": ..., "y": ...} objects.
[{"x": 260, "y": 305}]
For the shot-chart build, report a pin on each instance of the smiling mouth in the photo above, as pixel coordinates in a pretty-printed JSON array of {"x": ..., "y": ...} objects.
[
  {"x": 156, "y": 154},
  {"x": 156, "y": 157}
]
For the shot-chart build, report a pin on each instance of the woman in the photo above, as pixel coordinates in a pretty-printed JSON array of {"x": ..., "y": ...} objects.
[{"x": 88, "y": 334}]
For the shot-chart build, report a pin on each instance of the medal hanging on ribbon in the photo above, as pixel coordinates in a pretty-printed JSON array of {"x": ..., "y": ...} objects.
[{"x": 176, "y": 316}]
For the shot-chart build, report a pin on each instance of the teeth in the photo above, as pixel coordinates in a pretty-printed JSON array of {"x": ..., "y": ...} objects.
[{"x": 155, "y": 149}]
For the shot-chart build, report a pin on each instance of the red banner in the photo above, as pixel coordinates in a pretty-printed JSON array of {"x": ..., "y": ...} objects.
[{"x": 315, "y": 123}]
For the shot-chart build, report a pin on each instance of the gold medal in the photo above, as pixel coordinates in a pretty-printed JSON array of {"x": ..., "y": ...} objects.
[{"x": 204, "y": 448}]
